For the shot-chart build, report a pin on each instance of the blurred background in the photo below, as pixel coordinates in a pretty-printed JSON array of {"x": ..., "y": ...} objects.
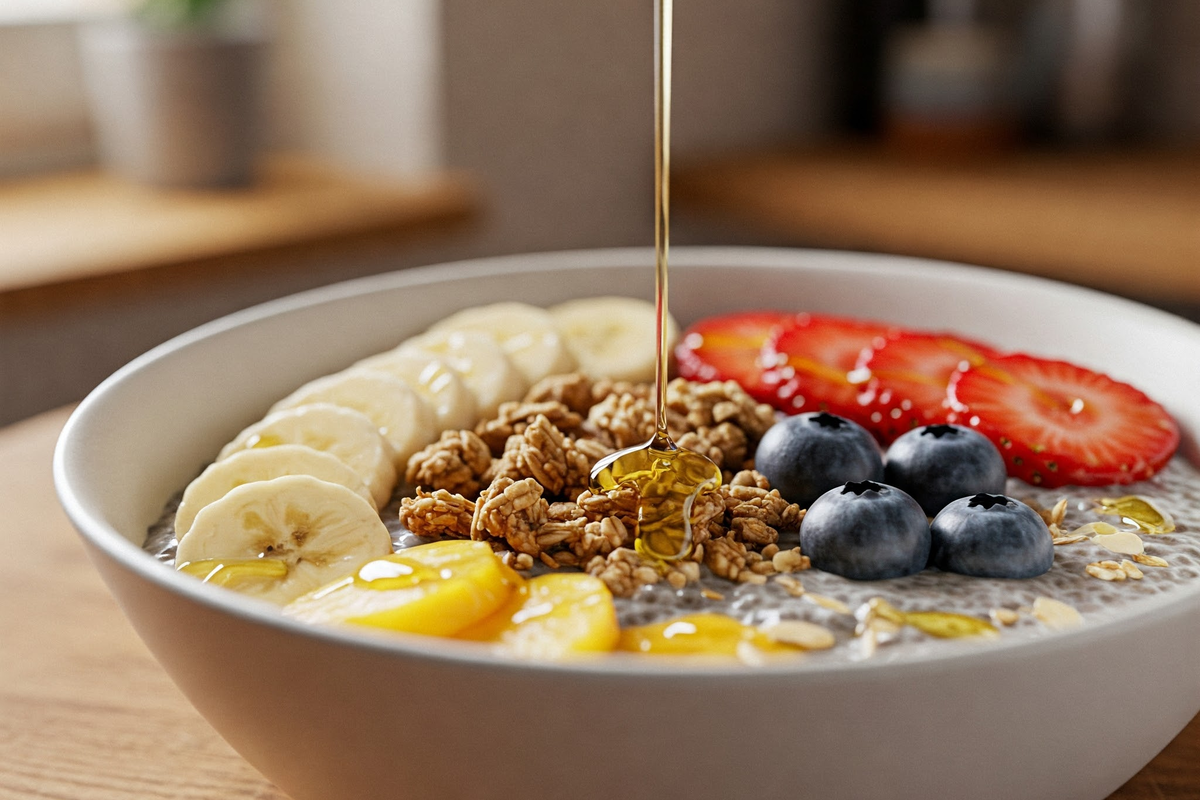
[{"x": 165, "y": 163}]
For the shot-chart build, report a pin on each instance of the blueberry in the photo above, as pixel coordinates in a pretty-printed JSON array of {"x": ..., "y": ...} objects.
[
  {"x": 866, "y": 531},
  {"x": 807, "y": 455},
  {"x": 940, "y": 463},
  {"x": 991, "y": 536}
]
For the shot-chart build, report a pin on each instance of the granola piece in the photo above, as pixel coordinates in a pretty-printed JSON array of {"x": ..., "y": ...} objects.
[
  {"x": 625, "y": 419},
  {"x": 513, "y": 511},
  {"x": 793, "y": 560},
  {"x": 456, "y": 462},
  {"x": 623, "y": 571},
  {"x": 749, "y": 477},
  {"x": 691, "y": 406},
  {"x": 600, "y": 539},
  {"x": 725, "y": 445},
  {"x": 621, "y": 502},
  {"x": 726, "y": 557},
  {"x": 755, "y": 516},
  {"x": 514, "y": 417},
  {"x": 708, "y": 512},
  {"x": 537, "y": 452},
  {"x": 753, "y": 531},
  {"x": 437, "y": 514},
  {"x": 603, "y": 387},
  {"x": 573, "y": 390},
  {"x": 564, "y": 522},
  {"x": 520, "y": 561},
  {"x": 581, "y": 455}
]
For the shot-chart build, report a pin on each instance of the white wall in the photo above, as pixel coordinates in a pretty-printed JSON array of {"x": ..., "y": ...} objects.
[{"x": 358, "y": 82}]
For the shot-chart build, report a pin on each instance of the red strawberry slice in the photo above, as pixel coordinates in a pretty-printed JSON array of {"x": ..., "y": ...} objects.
[
  {"x": 1057, "y": 423},
  {"x": 727, "y": 348},
  {"x": 808, "y": 363},
  {"x": 909, "y": 375}
]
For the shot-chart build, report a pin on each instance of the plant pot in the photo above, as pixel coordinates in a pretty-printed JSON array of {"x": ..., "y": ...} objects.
[{"x": 174, "y": 108}]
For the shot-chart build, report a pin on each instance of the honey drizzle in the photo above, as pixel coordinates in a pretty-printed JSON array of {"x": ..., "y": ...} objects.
[
  {"x": 669, "y": 478},
  {"x": 664, "y": 11}
]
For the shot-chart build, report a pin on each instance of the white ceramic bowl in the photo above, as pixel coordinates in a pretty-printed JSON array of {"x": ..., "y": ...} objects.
[{"x": 342, "y": 714}]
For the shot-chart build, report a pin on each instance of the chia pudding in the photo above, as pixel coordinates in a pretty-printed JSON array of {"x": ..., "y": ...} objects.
[{"x": 1176, "y": 490}]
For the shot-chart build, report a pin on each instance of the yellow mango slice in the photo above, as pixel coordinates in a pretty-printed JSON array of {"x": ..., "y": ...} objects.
[
  {"x": 436, "y": 589},
  {"x": 702, "y": 635},
  {"x": 552, "y": 617}
]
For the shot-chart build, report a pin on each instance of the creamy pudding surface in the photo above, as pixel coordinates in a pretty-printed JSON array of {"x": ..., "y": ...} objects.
[{"x": 826, "y": 598}]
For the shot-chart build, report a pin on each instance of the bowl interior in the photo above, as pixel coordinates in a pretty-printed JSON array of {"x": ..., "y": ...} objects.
[{"x": 151, "y": 427}]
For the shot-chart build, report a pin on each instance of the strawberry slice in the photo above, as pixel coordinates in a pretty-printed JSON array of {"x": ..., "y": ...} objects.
[
  {"x": 727, "y": 348},
  {"x": 909, "y": 375},
  {"x": 1056, "y": 423},
  {"x": 808, "y": 363}
]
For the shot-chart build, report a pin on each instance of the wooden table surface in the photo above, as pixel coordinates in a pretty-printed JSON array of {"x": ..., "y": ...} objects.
[{"x": 87, "y": 714}]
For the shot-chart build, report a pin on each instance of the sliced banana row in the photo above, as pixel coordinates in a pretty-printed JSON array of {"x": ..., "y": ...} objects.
[
  {"x": 263, "y": 464},
  {"x": 274, "y": 516},
  {"x": 344, "y": 433},
  {"x": 282, "y": 538}
]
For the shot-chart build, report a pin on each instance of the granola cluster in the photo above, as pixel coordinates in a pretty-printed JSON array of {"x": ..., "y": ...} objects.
[{"x": 519, "y": 481}]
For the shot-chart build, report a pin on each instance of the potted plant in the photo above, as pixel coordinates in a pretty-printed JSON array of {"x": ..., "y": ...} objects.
[{"x": 174, "y": 92}]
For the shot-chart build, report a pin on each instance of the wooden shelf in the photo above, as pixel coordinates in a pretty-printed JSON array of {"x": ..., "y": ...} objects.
[
  {"x": 74, "y": 226},
  {"x": 1123, "y": 222}
]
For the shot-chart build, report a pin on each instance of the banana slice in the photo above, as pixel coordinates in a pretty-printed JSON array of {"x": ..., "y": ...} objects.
[
  {"x": 527, "y": 334},
  {"x": 436, "y": 381},
  {"x": 249, "y": 466},
  {"x": 280, "y": 538},
  {"x": 483, "y": 365},
  {"x": 552, "y": 617},
  {"x": 348, "y": 435},
  {"x": 403, "y": 417},
  {"x": 613, "y": 337},
  {"x": 436, "y": 589}
]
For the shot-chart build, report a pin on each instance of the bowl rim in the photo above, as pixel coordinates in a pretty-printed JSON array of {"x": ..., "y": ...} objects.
[{"x": 109, "y": 542}]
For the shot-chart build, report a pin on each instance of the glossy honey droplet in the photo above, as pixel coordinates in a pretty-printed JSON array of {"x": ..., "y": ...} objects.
[
  {"x": 713, "y": 635},
  {"x": 669, "y": 480},
  {"x": 394, "y": 572},
  {"x": 945, "y": 625},
  {"x": 230, "y": 572},
  {"x": 1138, "y": 511}
]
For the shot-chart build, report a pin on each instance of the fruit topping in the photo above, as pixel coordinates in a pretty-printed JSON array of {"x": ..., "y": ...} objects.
[
  {"x": 866, "y": 531},
  {"x": 940, "y": 463},
  {"x": 612, "y": 337},
  {"x": 1056, "y": 423},
  {"x": 909, "y": 373},
  {"x": 991, "y": 536},
  {"x": 552, "y": 617},
  {"x": 436, "y": 589},
  {"x": 809, "y": 364},
  {"x": 315, "y": 530},
  {"x": 809, "y": 454},
  {"x": 727, "y": 348}
]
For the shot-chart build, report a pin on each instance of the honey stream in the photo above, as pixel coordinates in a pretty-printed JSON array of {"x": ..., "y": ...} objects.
[{"x": 669, "y": 478}]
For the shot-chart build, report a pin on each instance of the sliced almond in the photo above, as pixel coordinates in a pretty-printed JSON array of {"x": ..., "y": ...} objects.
[
  {"x": 1123, "y": 542},
  {"x": 797, "y": 632},
  {"x": 837, "y": 606},
  {"x": 1056, "y": 614}
]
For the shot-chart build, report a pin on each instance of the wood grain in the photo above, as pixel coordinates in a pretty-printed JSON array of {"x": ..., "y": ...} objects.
[
  {"x": 82, "y": 225},
  {"x": 85, "y": 712},
  {"x": 1128, "y": 223}
]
